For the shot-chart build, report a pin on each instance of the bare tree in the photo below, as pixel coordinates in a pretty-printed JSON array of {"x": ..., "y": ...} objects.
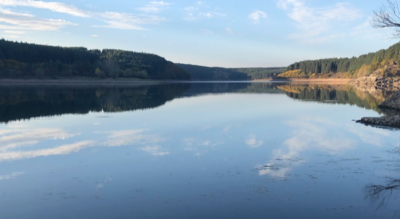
[{"x": 388, "y": 16}]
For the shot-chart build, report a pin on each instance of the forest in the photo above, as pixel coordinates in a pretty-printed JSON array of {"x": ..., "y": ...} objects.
[
  {"x": 23, "y": 60},
  {"x": 261, "y": 73},
  {"x": 383, "y": 62},
  {"x": 203, "y": 73}
]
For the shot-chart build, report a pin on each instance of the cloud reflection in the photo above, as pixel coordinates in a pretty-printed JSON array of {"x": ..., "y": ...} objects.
[
  {"x": 155, "y": 150},
  {"x": 15, "y": 136},
  {"x": 309, "y": 133},
  {"x": 11, "y": 176},
  {"x": 61, "y": 150},
  {"x": 253, "y": 142},
  {"x": 130, "y": 137},
  {"x": 198, "y": 147},
  {"x": 369, "y": 136},
  {"x": 147, "y": 143}
]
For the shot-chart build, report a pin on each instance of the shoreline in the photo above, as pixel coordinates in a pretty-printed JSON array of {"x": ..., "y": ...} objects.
[
  {"x": 316, "y": 80},
  {"x": 119, "y": 81},
  {"x": 77, "y": 82}
]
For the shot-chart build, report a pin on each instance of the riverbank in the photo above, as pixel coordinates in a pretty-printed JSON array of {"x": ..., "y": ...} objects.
[{"x": 78, "y": 82}]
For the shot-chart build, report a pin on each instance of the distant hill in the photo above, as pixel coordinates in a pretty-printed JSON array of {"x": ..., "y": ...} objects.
[
  {"x": 383, "y": 62},
  {"x": 203, "y": 73},
  {"x": 23, "y": 60},
  {"x": 261, "y": 73}
]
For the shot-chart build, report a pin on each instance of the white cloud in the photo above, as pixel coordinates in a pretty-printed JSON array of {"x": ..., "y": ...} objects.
[
  {"x": 201, "y": 11},
  {"x": 52, "y": 6},
  {"x": 11, "y": 176},
  {"x": 155, "y": 7},
  {"x": 127, "y": 21},
  {"x": 253, "y": 142},
  {"x": 257, "y": 15},
  {"x": 229, "y": 31},
  {"x": 21, "y": 21},
  {"x": 14, "y": 32},
  {"x": 24, "y": 21},
  {"x": 313, "y": 22},
  {"x": 95, "y": 35}
]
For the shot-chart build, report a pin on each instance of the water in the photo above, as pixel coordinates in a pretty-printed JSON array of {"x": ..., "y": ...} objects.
[{"x": 212, "y": 150}]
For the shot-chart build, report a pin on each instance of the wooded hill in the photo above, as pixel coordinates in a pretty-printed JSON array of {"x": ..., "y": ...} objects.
[
  {"x": 23, "y": 60},
  {"x": 261, "y": 73},
  {"x": 383, "y": 62},
  {"x": 203, "y": 73}
]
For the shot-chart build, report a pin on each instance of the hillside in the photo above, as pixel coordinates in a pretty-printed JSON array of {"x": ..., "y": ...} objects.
[
  {"x": 384, "y": 62},
  {"x": 203, "y": 73},
  {"x": 23, "y": 60},
  {"x": 261, "y": 73}
]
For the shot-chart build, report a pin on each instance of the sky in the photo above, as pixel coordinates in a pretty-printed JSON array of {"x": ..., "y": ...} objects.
[{"x": 257, "y": 33}]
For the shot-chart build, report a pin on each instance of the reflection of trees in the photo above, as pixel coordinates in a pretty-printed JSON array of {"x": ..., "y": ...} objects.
[
  {"x": 381, "y": 194},
  {"x": 342, "y": 94},
  {"x": 29, "y": 102}
]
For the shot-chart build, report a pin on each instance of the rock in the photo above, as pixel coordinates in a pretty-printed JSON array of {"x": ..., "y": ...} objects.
[
  {"x": 378, "y": 82},
  {"x": 392, "y": 102},
  {"x": 385, "y": 121}
]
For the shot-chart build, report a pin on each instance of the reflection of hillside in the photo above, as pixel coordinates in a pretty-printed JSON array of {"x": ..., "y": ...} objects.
[
  {"x": 342, "y": 94},
  {"x": 262, "y": 88},
  {"x": 214, "y": 88},
  {"x": 28, "y": 102},
  {"x": 24, "y": 103}
]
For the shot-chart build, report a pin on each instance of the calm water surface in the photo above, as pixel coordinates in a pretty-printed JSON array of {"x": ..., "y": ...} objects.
[{"x": 217, "y": 150}]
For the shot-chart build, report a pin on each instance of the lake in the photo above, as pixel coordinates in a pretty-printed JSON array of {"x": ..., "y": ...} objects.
[{"x": 196, "y": 150}]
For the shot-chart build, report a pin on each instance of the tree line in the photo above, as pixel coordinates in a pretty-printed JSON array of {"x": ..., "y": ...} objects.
[
  {"x": 203, "y": 73},
  {"x": 24, "y": 60},
  {"x": 363, "y": 65},
  {"x": 261, "y": 73}
]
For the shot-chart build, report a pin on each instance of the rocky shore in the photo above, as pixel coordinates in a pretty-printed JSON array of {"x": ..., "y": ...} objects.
[
  {"x": 390, "y": 107},
  {"x": 385, "y": 121},
  {"x": 377, "y": 82}
]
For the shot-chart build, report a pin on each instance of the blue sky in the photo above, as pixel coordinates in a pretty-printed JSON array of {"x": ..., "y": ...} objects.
[{"x": 213, "y": 33}]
